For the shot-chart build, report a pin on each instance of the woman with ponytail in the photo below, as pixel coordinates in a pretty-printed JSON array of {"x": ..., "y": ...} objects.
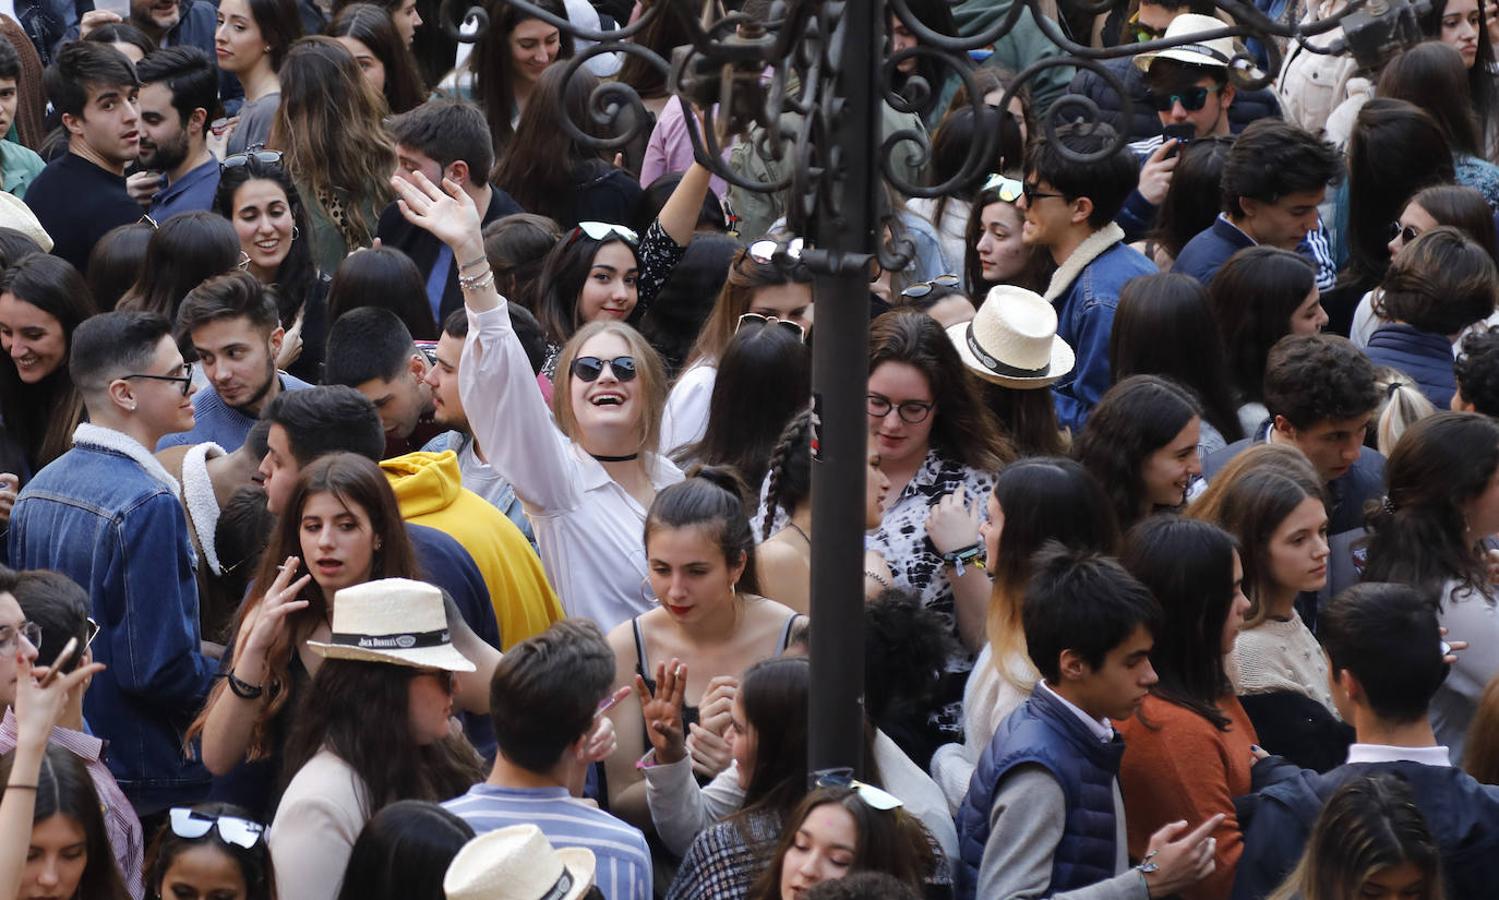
[
  {"x": 1441, "y": 504},
  {"x": 708, "y": 625}
]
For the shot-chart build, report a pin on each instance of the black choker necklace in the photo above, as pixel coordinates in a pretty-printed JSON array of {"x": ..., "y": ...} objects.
[{"x": 615, "y": 458}]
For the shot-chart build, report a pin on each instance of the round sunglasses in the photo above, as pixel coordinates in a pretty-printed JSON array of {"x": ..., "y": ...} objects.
[{"x": 589, "y": 368}]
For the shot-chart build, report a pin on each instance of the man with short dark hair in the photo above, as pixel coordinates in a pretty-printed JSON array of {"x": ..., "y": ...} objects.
[
  {"x": 179, "y": 97},
  {"x": 81, "y": 195},
  {"x": 232, "y": 323},
  {"x": 1477, "y": 372},
  {"x": 565, "y": 671},
  {"x": 1043, "y": 815},
  {"x": 442, "y": 139},
  {"x": 1275, "y": 177},
  {"x": 107, "y": 515},
  {"x": 1384, "y": 651},
  {"x": 176, "y": 23},
  {"x": 371, "y": 350},
  {"x": 19, "y": 165},
  {"x": 1069, "y": 207},
  {"x": 1321, "y": 396}
]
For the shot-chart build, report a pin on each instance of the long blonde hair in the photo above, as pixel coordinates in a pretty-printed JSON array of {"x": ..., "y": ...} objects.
[
  {"x": 329, "y": 127},
  {"x": 650, "y": 374}
]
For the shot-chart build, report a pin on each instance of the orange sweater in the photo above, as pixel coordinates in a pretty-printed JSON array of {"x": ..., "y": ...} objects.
[{"x": 1181, "y": 767}]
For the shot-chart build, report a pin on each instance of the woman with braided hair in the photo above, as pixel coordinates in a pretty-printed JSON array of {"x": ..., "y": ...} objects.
[{"x": 783, "y": 562}]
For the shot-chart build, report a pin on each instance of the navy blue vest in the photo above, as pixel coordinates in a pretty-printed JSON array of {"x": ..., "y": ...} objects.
[{"x": 1044, "y": 732}]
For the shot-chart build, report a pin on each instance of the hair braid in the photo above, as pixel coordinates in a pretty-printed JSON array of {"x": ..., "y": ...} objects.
[{"x": 794, "y": 435}]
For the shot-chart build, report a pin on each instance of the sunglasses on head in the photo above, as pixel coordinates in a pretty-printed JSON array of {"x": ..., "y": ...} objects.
[
  {"x": 601, "y": 231},
  {"x": 239, "y": 160},
  {"x": 190, "y": 825},
  {"x": 589, "y": 368},
  {"x": 917, "y": 291},
  {"x": 761, "y": 321},
  {"x": 765, "y": 251},
  {"x": 1191, "y": 99},
  {"x": 874, "y": 797},
  {"x": 1009, "y": 189}
]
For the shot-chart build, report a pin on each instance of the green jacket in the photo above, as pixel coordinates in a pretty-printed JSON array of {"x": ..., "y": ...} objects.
[
  {"x": 19, "y": 166},
  {"x": 1024, "y": 45}
]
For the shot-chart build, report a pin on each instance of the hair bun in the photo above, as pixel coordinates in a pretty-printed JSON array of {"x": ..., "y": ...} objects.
[{"x": 726, "y": 478}]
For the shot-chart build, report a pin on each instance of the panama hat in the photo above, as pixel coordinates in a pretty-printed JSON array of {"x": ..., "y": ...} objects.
[
  {"x": 518, "y": 863},
  {"x": 1012, "y": 340},
  {"x": 392, "y": 620},
  {"x": 16, "y": 215},
  {"x": 1218, "y": 52}
]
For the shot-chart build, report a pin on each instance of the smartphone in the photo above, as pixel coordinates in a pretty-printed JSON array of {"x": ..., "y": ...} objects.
[{"x": 1183, "y": 134}]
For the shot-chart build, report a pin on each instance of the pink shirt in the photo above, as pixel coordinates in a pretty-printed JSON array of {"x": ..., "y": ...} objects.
[{"x": 670, "y": 149}]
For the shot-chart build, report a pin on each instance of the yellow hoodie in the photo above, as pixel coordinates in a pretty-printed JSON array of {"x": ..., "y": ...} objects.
[{"x": 429, "y": 489}]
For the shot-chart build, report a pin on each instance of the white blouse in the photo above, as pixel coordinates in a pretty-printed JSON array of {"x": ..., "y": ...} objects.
[
  {"x": 686, "y": 418},
  {"x": 588, "y": 528}
]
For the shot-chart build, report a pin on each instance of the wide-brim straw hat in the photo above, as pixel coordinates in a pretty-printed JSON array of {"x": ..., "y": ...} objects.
[
  {"x": 1218, "y": 52},
  {"x": 16, "y": 215},
  {"x": 518, "y": 863},
  {"x": 392, "y": 620},
  {"x": 1012, "y": 340}
]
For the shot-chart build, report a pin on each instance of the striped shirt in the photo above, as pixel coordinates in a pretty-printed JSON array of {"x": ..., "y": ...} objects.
[{"x": 624, "y": 862}]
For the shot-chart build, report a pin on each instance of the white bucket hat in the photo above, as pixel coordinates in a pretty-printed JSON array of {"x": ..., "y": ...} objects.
[
  {"x": 1218, "y": 52},
  {"x": 392, "y": 620},
  {"x": 518, "y": 863},
  {"x": 1012, "y": 340}
]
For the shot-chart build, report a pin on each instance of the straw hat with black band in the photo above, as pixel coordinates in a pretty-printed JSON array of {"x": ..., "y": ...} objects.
[
  {"x": 1012, "y": 340},
  {"x": 1216, "y": 53},
  {"x": 518, "y": 863},
  {"x": 392, "y": 620}
]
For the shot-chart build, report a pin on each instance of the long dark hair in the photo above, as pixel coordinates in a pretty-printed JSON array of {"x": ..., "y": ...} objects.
[
  {"x": 115, "y": 263},
  {"x": 963, "y": 428},
  {"x": 359, "y": 711},
  {"x": 540, "y": 167},
  {"x": 938, "y": 16},
  {"x": 712, "y": 498},
  {"x": 491, "y": 60},
  {"x": 1194, "y": 199},
  {"x": 746, "y": 276},
  {"x": 356, "y": 482},
  {"x": 764, "y": 377},
  {"x": 953, "y": 139},
  {"x": 297, "y": 277},
  {"x": 1420, "y": 537},
  {"x": 280, "y": 24},
  {"x": 1396, "y": 149},
  {"x": 254, "y": 863},
  {"x": 774, "y": 693},
  {"x": 43, "y": 416},
  {"x": 65, "y": 789},
  {"x": 1253, "y": 296},
  {"x": 1133, "y": 419},
  {"x": 403, "y": 853},
  {"x": 667, "y": 30},
  {"x": 1481, "y": 76},
  {"x": 1431, "y": 76},
  {"x": 372, "y": 26},
  {"x": 1188, "y": 566},
  {"x": 1164, "y": 326},
  {"x": 1027, "y": 419},
  {"x": 563, "y": 274},
  {"x": 1463, "y": 208},
  {"x": 187, "y": 250},
  {"x": 1039, "y": 265},
  {"x": 383, "y": 277}
]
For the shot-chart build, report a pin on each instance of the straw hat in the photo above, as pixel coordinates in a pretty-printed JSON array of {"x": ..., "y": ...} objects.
[
  {"x": 517, "y": 863},
  {"x": 1218, "y": 52},
  {"x": 392, "y": 620},
  {"x": 1012, "y": 340},
  {"x": 14, "y": 213}
]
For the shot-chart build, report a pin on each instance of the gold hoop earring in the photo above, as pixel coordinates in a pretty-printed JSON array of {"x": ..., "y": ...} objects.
[{"x": 295, "y": 232}]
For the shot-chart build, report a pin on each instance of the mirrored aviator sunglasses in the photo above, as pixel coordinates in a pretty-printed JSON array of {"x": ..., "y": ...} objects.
[
  {"x": 190, "y": 825},
  {"x": 1009, "y": 189},
  {"x": 844, "y": 778},
  {"x": 590, "y": 368}
]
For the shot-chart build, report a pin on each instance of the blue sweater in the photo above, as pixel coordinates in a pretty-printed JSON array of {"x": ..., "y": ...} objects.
[{"x": 219, "y": 422}]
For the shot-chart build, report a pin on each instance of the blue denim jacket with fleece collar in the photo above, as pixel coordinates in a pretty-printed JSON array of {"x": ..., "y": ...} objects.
[
  {"x": 107, "y": 515},
  {"x": 1085, "y": 292}
]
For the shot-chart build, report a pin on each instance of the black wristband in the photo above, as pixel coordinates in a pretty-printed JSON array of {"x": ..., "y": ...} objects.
[{"x": 243, "y": 689}]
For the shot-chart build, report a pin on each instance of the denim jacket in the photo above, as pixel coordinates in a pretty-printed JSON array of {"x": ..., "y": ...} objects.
[
  {"x": 107, "y": 515},
  {"x": 1085, "y": 292}
]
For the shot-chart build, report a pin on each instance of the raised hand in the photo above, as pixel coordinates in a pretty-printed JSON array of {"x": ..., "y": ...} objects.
[
  {"x": 662, "y": 711},
  {"x": 42, "y": 694},
  {"x": 447, "y": 213},
  {"x": 602, "y": 741},
  {"x": 278, "y": 603}
]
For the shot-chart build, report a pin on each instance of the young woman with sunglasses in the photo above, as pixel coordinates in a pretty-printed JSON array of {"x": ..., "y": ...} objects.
[
  {"x": 995, "y": 253},
  {"x": 758, "y": 286},
  {"x": 211, "y": 850},
  {"x": 374, "y": 727},
  {"x": 42, "y": 299},
  {"x": 588, "y": 476},
  {"x": 783, "y": 561},
  {"x": 251, "y": 42},
  {"x": 259, "y": 199},
  {"x": 709, "y": 620}
]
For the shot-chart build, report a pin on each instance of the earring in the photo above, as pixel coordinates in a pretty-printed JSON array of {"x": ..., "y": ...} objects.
[
  {"x": 647, "y": 593},
  {"x": 295, "y": 232},
  {"x": 378, "y": 545}
]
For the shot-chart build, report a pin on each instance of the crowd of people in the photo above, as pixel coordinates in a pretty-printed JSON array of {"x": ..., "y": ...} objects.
[{"x": 405, "y": 498}]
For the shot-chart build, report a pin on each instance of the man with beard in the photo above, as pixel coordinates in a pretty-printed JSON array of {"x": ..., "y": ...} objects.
[
  {"x": 179, "y": 96},
  {"x": 232, "y": 324}
]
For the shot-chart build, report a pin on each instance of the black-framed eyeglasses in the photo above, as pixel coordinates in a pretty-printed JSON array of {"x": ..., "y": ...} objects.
[
  {"x": 191, "y": 825},
  {"x": 9, "y": 634},
  {"x": 90, "y": 631},
  {"x": 185, "y": 379},
  {"x": 589, "y": 368},
  {"x": 761, "y": 321},
  {"x": 912, "y": 412},
  {"x": 917, "y": 291},
  {"x": 1192, "y": 99},
  {"x": 1405, "y": 233},
  {"x": 261, "y": 157},
  {"x": 874, "y": 797},
  {"x": 1033, "y": 193}
]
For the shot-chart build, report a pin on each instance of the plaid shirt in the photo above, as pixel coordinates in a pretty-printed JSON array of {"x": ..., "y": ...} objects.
[
  {"x": 119, "y": 817},
  {"x": 719, "y": 864}
]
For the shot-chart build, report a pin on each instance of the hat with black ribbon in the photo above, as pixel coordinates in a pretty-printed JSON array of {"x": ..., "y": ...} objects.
[
  {"x": 392, "y": 620},
  {"x": 1012, "y": 340},
  {"x": 518, "y": 863}
]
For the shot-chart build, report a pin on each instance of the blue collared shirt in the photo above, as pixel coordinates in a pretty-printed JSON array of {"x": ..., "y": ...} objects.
[{"x": 193, "y": 191}]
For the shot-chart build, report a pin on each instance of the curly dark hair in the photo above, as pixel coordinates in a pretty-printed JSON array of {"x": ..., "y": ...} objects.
[
  {"x": 1317, "y": 378},
  {"x": 1477, "y": 371},
  {"x": 906, "y": 647},
  {"x": 1133, "y": 419}
]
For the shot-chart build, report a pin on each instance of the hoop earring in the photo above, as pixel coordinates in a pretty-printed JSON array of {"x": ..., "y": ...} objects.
[
  {"x": 295, "y": 233},
  {"x": 647, "y": 593}
]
